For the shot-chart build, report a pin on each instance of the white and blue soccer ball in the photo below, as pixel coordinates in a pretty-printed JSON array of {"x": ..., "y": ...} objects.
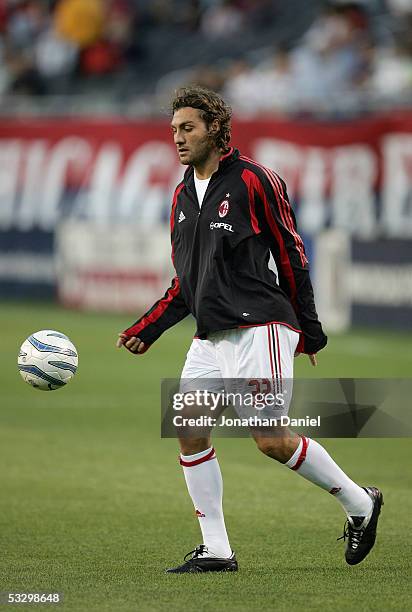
[{"x": 47, "y": 360}]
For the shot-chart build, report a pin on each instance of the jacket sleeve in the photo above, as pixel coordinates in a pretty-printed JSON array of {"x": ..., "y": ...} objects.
[
  {"x": 278, "y": 224},
  {"x": 165, "y": 313}
]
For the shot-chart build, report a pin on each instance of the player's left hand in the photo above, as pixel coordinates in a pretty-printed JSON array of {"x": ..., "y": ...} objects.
[{"x": 313, "y": 360}]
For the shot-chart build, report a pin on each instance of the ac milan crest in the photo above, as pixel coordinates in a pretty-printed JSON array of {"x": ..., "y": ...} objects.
[{"x": 223, "y": 208}]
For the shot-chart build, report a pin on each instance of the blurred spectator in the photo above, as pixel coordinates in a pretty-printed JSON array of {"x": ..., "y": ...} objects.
[
  {"x": 25, "y": 21},
  {"x": 400, "y": 7},
  {"x": 391, "y": 76},
  {"x": 327, "y": 64},
  {"x": 222, "y": 20},
  {"x": 243, "y": 88},
  {"x": 269, "y": 88},
  {"x": 53, "y": 55},
  {"x": 280, "y": 90},
  {"x": 209, "y": 77},
  {"x": 106, "y": 54},
  {"x": 80, "y": 22},
  {"x": 322, "y": 72}
]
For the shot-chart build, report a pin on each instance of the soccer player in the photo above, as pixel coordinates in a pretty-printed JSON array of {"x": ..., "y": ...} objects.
[{"x": 228, "y": 215}]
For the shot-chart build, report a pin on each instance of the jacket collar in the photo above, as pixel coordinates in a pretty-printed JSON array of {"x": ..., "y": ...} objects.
[
  {"x": 224, "y": 162},
  {"x": 228, "y": 157}
]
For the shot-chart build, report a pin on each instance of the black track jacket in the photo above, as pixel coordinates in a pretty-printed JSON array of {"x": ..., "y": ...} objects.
[{"x": 221, "y": 252}]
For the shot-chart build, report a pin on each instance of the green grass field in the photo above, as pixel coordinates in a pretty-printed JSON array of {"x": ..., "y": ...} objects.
[{"x": 93, "y": 503}]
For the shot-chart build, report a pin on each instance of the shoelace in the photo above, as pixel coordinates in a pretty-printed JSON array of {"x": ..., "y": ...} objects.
[
  {"x": 199, "y": 550},
  {"x": 354, "y": 535}
]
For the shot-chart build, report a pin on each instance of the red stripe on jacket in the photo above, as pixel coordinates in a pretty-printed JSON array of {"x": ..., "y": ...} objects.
[
  {"x": 287, "y": 210},
  {"x": 283, "y": 206},
  {"x": 155, "y": 314},
  {"x": 248, "y": 178},
  {"x": 284, "y": 257}
]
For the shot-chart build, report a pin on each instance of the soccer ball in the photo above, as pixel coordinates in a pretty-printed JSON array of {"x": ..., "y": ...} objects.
[{"x": 47, "y": 360}]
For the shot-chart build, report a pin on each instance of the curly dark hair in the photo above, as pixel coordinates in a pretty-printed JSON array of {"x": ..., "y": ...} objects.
[{"x": 211, "y": 107}]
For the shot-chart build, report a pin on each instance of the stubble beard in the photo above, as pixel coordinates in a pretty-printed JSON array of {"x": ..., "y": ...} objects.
[{"x": 202, "y": 152}]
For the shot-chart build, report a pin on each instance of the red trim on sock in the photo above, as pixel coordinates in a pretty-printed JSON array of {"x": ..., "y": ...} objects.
[
  {"x": 302, "y": 455},
  {"x": 207, "y": 457}
]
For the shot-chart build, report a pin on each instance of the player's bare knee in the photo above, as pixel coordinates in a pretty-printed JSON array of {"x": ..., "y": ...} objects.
[
  {"x": 279, "y": 448},
  {"x": 191, "y": 446},
  {"x": 266, "y": 445}
]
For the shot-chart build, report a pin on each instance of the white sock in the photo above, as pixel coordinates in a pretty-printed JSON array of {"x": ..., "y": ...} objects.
[
  {"x": 314, "y": 463},
  {"x": 205, "y": 485}
]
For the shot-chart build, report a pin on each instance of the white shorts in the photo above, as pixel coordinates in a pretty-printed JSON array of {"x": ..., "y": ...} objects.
[{"x": 253, "y": 356}]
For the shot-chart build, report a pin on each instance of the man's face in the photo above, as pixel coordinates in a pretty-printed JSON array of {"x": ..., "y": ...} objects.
[{"x": 191, "y": 136}]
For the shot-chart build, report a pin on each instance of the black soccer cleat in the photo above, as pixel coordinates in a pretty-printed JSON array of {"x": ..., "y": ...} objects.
[
  {"x": 361, "y": 530},
  {"x": 198, "y": 563}
]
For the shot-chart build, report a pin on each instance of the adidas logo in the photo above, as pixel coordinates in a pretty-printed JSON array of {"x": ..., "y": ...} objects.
[{"x": 181, "y": 217}]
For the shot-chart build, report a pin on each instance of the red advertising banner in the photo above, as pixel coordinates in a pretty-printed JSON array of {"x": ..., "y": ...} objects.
[{"x": 353, "y": 175}]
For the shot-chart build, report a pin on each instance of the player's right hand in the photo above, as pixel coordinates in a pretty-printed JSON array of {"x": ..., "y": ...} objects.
[
  {"x": 133, "y": 344},
  {"x": 312, "y": 358}
]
